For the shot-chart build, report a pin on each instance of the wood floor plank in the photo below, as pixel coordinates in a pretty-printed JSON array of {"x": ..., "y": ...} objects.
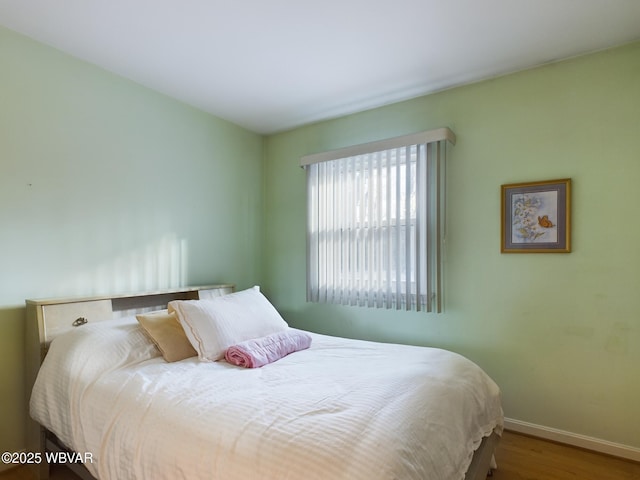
[
  {"x": 57, "y": 472},
  {"x": 521, "y": 457}
]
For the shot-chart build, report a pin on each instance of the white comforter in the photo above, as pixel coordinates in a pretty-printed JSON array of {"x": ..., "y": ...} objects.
[{"x": 343, "y": 409}]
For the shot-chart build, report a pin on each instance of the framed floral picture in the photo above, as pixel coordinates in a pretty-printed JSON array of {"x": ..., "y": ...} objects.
[{"x": 536, "y": 217}]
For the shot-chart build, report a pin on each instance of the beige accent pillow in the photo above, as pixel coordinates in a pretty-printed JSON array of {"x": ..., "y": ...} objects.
[{"x": 167, "y": 333}]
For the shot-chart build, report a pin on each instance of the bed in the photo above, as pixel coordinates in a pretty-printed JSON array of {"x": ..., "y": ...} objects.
[{"x": 340, "y": 409}]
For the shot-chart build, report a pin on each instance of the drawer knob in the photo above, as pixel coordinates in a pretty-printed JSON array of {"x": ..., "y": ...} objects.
[{"x": 79, "y": 321}]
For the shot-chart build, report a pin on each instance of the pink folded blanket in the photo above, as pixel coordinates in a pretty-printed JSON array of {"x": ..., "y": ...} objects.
[{"x": 261, "y": 351}]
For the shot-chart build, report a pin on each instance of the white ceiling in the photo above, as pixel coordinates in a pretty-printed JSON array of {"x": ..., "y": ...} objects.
[{"x": 270, "y": 65}]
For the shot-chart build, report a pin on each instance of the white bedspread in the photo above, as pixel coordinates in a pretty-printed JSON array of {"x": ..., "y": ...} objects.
[{"x": 343, "y": 409}]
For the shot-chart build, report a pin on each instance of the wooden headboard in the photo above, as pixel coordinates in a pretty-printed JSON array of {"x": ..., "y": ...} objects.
[{"x": 48, "y": 318}]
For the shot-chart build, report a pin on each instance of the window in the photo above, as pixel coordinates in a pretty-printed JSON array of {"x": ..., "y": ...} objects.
[{"x": 376, "y": 223}]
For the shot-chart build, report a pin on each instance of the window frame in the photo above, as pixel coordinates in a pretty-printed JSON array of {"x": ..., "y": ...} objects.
[{"x": 418, "y": 292}]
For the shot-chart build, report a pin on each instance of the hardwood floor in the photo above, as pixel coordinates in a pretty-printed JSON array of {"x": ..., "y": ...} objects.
[
  {"x": 57, "y": 472},
  {"x": 519, "y": 457}
]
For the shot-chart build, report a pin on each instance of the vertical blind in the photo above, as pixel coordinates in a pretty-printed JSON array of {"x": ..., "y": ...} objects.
[{"x": 376, "y": 223}]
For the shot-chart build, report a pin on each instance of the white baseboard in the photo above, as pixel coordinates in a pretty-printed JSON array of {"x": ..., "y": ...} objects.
[{"x": 574, "y": 439}]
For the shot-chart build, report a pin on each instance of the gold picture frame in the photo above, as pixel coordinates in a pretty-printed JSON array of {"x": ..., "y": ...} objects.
[{"x": 536, "y": 217}]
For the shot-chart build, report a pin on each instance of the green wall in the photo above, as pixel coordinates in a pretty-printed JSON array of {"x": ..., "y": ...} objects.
[
  {"x": 107, "y": 187},
  {"x": 560, "y": 333}
]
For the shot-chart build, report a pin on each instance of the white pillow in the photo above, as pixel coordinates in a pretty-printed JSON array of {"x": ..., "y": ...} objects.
[{"x": 213, "y": 325}]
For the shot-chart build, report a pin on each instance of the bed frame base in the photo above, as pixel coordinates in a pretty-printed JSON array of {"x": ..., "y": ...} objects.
[
  {"x": 483, "y": 460},
  {"x": 52, "y": 444}
]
